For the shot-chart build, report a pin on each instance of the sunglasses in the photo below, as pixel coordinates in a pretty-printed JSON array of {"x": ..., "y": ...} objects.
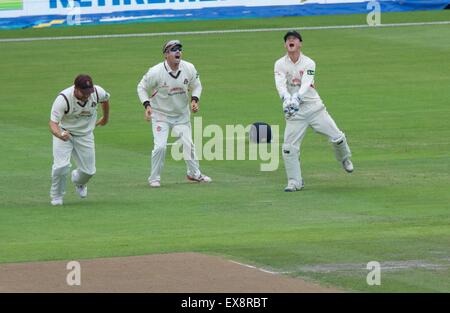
[{"x": 175, "y": 49}]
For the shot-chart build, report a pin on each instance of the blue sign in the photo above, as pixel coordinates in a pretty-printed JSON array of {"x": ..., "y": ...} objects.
[{"x": 53, "y": 4}]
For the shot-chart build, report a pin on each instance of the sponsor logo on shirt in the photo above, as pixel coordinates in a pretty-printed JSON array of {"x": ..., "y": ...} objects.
[
  {"x": 85, "y": 113},
  {"x": 310, "y": 72},
  {"x": 176, "y": 91}
]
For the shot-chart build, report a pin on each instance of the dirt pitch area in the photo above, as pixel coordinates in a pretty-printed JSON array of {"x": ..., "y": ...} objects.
[{"x": 174, "y": 273}]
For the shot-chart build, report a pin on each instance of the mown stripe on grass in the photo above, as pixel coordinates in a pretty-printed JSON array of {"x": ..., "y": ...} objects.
[{"x": 227, "y": 31}]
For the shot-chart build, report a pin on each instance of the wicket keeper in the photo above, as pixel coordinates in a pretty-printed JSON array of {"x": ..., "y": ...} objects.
[{"x": 303, "y": 108}]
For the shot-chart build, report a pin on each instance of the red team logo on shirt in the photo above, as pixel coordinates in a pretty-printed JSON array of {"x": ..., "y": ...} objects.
[{"x": 158, "y": 128}]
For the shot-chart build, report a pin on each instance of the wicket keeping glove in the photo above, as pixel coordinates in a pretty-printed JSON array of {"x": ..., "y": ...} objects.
[
  {"x": 290, "y": 110},
  {"x": 286, "y": 101},
  {"x": 296, "y": 99},
  {"x": 287, "y": 107}
]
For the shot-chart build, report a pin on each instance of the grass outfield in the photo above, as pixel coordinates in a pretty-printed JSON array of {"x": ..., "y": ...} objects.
[
  {"x": 387, "y": 88},
  {"x": 10, "y": 4}
]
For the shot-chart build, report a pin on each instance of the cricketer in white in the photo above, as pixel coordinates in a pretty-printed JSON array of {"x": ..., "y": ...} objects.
[
  {"x": 303, "y": 107},
  {"x": 72, "y": 122},
  {"x": 164, "y": 92}
]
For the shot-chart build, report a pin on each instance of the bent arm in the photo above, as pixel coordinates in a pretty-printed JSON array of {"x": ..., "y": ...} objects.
[
  {"x": 195, "y": 86},
  {"x": 105, "y": 118},
  {"x": 147, "y": 83},
  {"x": 281, "y": 82},
  {"x": 56, "y": 131},
  {"x": 306, "y": 84},
  {"x": 58, "y": 111},
  {"x": 307, "y": 81}
]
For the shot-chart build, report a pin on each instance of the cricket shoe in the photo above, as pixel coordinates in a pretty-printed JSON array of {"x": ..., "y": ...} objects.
[
  {"x": 155, "y": 183},
  {"x": 200, "y": 179},
  {"x": 81, "y": 190},
  {"x": 294, "y": 186},
  {"x": 347, "y": 165},
  {"x": 57, "y": 201}
]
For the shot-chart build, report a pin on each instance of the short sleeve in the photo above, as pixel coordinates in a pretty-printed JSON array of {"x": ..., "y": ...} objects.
[
  {"x": 59, "y": 108},
  {"x": 102, "y": 94}
]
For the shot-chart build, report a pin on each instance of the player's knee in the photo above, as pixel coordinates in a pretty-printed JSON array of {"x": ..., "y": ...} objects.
[
  {"x": 289, "y": 150},
  {"x": 341, "y": 148},
  {"x": 159, "y": 149},
  {"x": 60, "y": 170},
  {"x": 338, "y": 140}
]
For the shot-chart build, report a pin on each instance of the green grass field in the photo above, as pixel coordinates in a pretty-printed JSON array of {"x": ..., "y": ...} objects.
[
  {"x": 10, "y": 4},
  {"x": 387, "y": 88}
]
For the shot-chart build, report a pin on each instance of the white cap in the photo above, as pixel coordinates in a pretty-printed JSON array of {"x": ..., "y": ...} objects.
[{"x": 170, "y": 44}]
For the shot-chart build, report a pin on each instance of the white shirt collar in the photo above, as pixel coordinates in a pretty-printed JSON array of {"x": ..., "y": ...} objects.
[
  {"x": 298, "y": 61},
  {"x": 169, "y": 69}
]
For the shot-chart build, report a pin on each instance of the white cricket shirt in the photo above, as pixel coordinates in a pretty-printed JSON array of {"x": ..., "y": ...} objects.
[
  {"x": 77, "y": 117},
  {"x": 168, "y": 92},
  {"x": 298, "y": 77}
]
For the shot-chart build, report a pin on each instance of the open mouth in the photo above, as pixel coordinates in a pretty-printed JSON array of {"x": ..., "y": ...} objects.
[
  {"x": 291, "y": 45},
  {"x": 177, "y": 57}
]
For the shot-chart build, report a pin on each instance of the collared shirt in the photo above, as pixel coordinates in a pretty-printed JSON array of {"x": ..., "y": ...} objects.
[
  {"x": 167, "y": 90},
  {"x": 298, "y": 77},
  {"x": 170, "y": 70},
  {"x": 74, "y": 115}
]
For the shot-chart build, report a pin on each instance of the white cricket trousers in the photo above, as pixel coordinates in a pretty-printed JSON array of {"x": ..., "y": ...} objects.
[
  {"x": 161, "y": 129},
  {"x": 322, "y": 123},
  {"x": 82, "y": 150}
]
